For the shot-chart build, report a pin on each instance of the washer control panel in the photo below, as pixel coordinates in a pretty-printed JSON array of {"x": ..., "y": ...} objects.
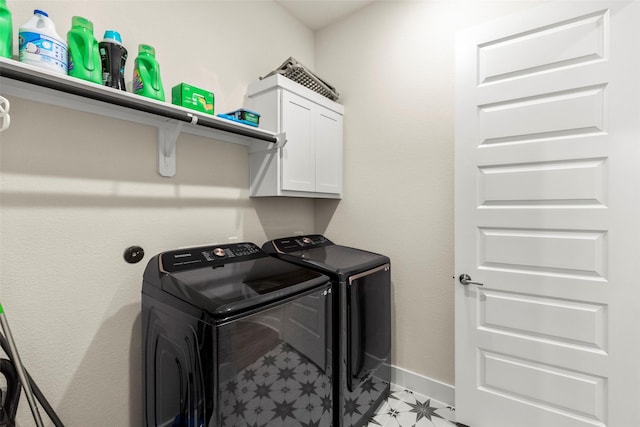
[
  {"x": 300, "y": 243},
  {"x": 231, "y": 251},
  {"x": 208, "y": 256}
]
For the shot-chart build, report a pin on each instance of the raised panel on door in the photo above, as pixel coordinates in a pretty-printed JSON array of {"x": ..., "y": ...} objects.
[
  {"x": 298, "y": 155},
  {"x": 328, "y": 151},
  {"x": 547, "y": 145}
]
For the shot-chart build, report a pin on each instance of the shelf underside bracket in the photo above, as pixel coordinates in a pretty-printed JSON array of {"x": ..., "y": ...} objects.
[
  {"x": 167, "y": 136},
  {"x": 260, "y": 147}
]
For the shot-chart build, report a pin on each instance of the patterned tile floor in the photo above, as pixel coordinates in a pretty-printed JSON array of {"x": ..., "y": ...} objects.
[
  {"x": 405, "y": 408},
  {"x": 283, "y": 388},
  {"x": 280, "y": 389}
]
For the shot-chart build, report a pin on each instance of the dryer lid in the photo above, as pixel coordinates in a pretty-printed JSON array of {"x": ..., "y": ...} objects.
[{"x": 321, "y": 254}]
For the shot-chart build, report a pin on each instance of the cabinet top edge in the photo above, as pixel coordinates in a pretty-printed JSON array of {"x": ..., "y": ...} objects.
[{"x": 278, "y": 81}]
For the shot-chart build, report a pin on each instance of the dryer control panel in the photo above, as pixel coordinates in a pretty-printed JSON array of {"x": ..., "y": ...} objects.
[
  {"x": 300, "y": 243},
  {"x": 208, "y": 256}
]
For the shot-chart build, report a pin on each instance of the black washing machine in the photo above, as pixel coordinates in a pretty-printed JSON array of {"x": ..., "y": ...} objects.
[
  {"x": 362, "y": 320},
  {"x": 234, "y": 337}
]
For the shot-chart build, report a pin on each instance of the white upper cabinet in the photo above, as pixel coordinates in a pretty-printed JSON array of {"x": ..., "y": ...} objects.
[{"x": 310, "y": 163}]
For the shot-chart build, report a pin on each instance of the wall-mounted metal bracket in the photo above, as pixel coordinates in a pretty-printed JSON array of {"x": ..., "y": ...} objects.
[
  {"x": 260, "y": 147},
  {"x": 167, "y": 136}
]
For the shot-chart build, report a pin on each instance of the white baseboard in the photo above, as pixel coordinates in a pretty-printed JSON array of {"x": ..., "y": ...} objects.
[{"x": 442, "y": 392}]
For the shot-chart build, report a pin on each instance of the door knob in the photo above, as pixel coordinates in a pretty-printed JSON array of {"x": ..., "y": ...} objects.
[{"x": 465, "y": 279}]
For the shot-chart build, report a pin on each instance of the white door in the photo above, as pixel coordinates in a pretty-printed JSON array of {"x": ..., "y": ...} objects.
[{"x": 548, "y": 218}]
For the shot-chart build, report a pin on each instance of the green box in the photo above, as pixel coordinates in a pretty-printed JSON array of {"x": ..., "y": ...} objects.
[{"x": 192, "y": 97}]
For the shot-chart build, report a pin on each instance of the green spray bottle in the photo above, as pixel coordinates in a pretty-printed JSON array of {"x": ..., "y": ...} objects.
[
  {"x": 146, "y": 74},
  {"x": 84, "y": 54},
  {"x": 6, "y": 30}
]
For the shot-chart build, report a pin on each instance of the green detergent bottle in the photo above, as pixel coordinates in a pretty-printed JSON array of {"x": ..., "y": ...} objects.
[
  {"x": 146, "y": 74},
  {"x": 84, "y": 54},
  {"x": 6, "y": 31}
]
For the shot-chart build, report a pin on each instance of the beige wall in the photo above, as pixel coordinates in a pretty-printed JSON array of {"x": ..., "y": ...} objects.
[
  {"x": 393, "y": 63},
  {"x": 77, "y": 189}
]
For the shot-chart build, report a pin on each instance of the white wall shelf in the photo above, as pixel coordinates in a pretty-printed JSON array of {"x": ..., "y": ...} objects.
[{"x": 35, "y": 84}]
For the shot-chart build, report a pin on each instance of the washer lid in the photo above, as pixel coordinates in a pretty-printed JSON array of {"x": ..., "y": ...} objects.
[{"x": 228, "y": 280}]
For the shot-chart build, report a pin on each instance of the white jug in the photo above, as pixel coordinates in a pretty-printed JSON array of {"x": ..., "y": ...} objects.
[{"x": 40, "y": 44}]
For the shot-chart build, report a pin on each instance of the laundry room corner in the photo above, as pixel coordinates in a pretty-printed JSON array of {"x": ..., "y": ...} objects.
[
  {"x": 270, "y": 223},
  {"x": 394, "y": 64}
]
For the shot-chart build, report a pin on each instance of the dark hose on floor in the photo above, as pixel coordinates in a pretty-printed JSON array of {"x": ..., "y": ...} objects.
[
  {"x": 36, "y": 390},
  {"x": 11, "y": 400}
]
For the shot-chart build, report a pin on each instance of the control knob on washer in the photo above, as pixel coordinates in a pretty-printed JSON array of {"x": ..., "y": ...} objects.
[{"x": 219, "y": 252}]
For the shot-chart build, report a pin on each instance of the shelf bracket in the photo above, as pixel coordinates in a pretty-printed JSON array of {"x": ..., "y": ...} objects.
[
  {"x": 259, "y": 147},
  {"x": 168, "y": 133}
]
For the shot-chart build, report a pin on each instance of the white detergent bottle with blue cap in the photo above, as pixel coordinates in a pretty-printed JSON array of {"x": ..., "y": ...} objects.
[{"x": 40, "y": 44}]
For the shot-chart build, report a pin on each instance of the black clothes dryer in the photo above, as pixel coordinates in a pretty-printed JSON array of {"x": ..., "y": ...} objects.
[
  {"x": 234, "y": 337},
  {"x": 362, "y": 320}
]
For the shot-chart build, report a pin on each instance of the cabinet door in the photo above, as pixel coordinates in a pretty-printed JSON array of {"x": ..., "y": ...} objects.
[
  {"x": 298, "y": 155},
  {"x": 328, "y": 151}
]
